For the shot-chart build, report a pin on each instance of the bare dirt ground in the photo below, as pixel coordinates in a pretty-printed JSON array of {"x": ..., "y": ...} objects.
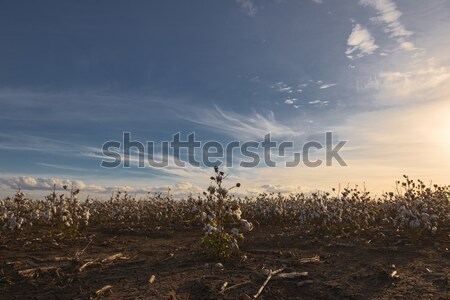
[{"x": 40, "y": 265}]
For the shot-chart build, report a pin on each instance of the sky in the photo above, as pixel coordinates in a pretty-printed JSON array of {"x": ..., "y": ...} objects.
[{"x": 75, "y": 74}]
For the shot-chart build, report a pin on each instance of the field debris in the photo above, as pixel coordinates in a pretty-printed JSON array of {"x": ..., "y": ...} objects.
[
  {"x": 35, "y": 272},
  {"x": 235, "y": 286},
  {"x": 223, "y": 287},
  {"x": 310, "y": 260},
  {"x": 87, "y": 264},
  {"x": 290, "y": 275},
  {"x": 152, "y": 279},
  {"x": 115, "y": 257},
  {"x": 103, "y": 291},
  {"x": 271, "y": 274}
]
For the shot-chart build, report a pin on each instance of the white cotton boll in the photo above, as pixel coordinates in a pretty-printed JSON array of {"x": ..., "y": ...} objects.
[
  {"x": 237, "y": 214},
  {"x": 248, "y": 226},
  {"x": 209, "y": 229}
]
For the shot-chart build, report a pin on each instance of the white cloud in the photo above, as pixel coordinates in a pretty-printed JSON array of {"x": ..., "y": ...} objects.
[
  {"x": 318, "y": 102},
  {"x": 22, "y": 142},
  {"x": 248, "y": 6},
  {"x": 238, "y": 125},
  {"x": 27, "y": 183},
  {"x": 31, "y": 183},
  {"x": 419, "y": 84},
  {"x": 318, "y": 1},
  {"x": 290, "y": 100},
  {"x": 389, "y": 16},
  {"x": 282, "y": 87},
  {"x": 326, "y": 86},
  {"x": 360, "y": 43},
  {"x": 408, "y": 46},
  {"x": 283, "y": 189}
]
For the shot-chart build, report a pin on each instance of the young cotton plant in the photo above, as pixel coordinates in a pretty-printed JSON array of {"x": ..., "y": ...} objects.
[{"x": 224, "y": 225}]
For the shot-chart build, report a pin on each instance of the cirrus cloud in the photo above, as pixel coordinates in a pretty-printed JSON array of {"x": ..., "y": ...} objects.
[{"x": 360, "y": 43}]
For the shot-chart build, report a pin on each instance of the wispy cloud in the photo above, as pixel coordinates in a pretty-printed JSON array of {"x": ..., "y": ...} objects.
[
  {"x": 172, "y": 169},
  {"x": 318, "y": 102},
  {"x": 360, "y": 43},
  {"x": 421, "y": 84},
  {"x": 64, "y": 167},
  {"x": 248, "y": 6},
  {"x": 318, "y": 1},
  {"x": 389, "y": 16},
  {"x": 282, "y": 87},
  {"x": 238, "y": 125},
  {"x": 326, "y": 86},
  {"x": 21, "y": 142},
  {"x": 290, "y": 100}
]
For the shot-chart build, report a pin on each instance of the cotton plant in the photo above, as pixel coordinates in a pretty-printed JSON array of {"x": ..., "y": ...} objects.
[{"x": 224, "y": 226}]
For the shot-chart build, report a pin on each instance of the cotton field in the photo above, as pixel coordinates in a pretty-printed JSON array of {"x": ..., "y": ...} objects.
[
  {"x": 343, "y": 244},
  {"x": 414, "y": 208}
]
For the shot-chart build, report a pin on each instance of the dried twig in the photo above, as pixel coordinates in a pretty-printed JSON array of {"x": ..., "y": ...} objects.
[
  {"x": 103, "y": 290},
  {"x": 224, "y": 286},
  {"x": 236, "y": 286},
  {"x": 114, "y": 257},
  {"x": 78, "y": 253},
  {"x": 151, "y": 279},
  {"x": 314, "y": 259},
  {"x": 290, "y": 275},
  {"x": 34, "y": 271},
  {"x": 87, "y": 264},
  {"x": 271, "y": 274}
]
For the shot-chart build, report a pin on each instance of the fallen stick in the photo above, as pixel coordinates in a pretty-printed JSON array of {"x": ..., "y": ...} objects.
[
  {"x": 85, "y": 265},
  {"x": 34, "y": 271},
  {"x": 314, "y": 259},
  {"x": 103, "y": 290},
  {"x": 271, "y": 273},
  {"x": 115, "y": 257},
  {"x": 236, "y": 286},
  {"x": 78, "y": 253},
  {"x": 224, "y": 286},
  {"x": 290, "y": 275}
]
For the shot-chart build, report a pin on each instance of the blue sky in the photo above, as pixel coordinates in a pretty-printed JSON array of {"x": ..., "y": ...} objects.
[{"x": 76, "y": 74}]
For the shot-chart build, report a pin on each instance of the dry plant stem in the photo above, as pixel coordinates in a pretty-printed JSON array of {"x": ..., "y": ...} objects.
[
  {"x": 236, "y": 286},
  {"x": 271, "y": 273},
  {"x": 224, "y": 286}
]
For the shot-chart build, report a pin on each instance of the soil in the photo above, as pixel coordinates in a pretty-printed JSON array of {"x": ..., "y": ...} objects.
[{"x": 42, "y": 265}]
